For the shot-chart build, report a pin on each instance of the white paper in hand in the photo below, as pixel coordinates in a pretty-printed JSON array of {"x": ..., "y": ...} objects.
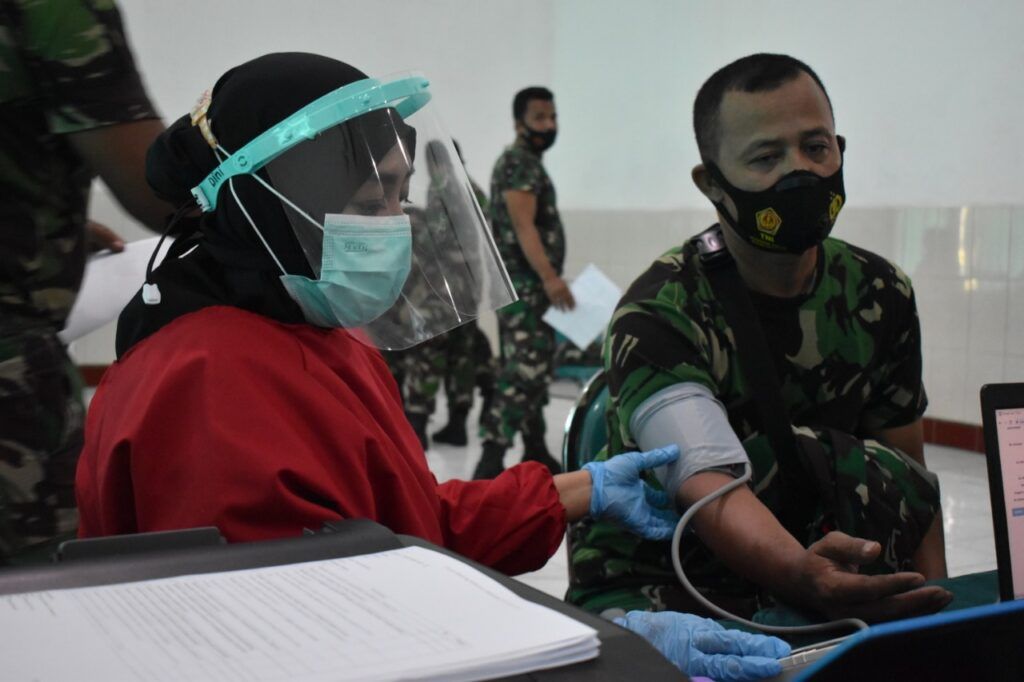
[
  {"x": 110, "y": 281},
  {"x": 596, "y": 297}
]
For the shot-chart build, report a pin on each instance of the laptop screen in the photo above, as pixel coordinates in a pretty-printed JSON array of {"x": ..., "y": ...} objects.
[{"x": 1010, "y": 435}]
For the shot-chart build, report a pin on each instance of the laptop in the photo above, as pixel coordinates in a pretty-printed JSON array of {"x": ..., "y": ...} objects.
[
  {"x": 980, "y": 643},
  {"x": 1002, "y": 417}
]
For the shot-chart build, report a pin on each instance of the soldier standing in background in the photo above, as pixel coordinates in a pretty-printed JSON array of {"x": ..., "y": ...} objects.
[
  {"x": 460, "y": 358},
  {"x": 531, "y": 241},
  {"x": 72, "y": 106}
]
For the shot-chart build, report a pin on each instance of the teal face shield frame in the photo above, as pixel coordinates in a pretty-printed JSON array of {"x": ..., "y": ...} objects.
[{"x": 405, "y": 95}]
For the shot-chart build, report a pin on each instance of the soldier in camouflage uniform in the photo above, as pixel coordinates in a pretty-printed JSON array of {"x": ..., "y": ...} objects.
[
  {"x": 460, "y": 359},
  {"x": 531, "y": 241},
  {"x": 845, "y": 342},
  {"x": 67, "y": 81}
]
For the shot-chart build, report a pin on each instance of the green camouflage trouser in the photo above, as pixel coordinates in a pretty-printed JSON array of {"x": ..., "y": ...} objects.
[
  {"x": 41, "y": 420},
  {"x": 567, "y": 354},
  {"x": 873, "y": 492},
  {"x": 448, "y": 358},
  {"x": 521, "y": 391}
]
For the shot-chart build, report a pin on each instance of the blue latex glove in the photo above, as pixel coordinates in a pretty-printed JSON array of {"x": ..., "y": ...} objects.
[
  {"x": 619, "y": 494},
  {"x": 700, "y": 646}
]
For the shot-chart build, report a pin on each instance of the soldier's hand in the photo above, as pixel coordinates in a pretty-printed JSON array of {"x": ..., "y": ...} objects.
[
  {"x": 98, "y": 237},
  {"x": 558, "y": 293},
  {"x": 830, "y": 580}
]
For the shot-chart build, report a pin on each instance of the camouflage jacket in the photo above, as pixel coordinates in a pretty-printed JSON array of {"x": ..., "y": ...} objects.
[
  {"x": 519, "y": 168},
  {"x": 65, "y": 67},
  {"x": 848, "y": 355}
]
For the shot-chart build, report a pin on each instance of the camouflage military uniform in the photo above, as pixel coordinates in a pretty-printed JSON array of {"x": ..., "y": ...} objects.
[
  {"x": 527, "y": 344},
  {"x": 453, "y": 358},
  {"x": 849, "y": 360},
  {"x": 65, "y": 68}
]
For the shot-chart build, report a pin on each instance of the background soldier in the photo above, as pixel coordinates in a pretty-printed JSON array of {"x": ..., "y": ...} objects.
[
  {"x": 460, "y": 358},
  {"x": 530, "y": 238},
  {"x": 71, "y": 107}
]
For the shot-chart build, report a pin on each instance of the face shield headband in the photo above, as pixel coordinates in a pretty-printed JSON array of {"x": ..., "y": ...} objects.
[{"x": 405, "y": 95}]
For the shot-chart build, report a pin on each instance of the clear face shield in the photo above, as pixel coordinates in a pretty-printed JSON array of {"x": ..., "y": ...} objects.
[{"x": 381, "y": 205}]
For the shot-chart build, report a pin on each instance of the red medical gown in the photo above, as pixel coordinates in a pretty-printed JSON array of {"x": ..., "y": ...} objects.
[{"x": 231, "y": 419}]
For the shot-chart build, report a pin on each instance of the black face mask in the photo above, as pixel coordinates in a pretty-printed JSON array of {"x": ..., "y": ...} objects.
[
  {"x": 539, "y": 141},
  {"x": 791, "y": 216}
]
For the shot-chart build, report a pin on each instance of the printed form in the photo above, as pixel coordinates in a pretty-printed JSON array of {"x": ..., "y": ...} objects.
[
  {"x": 1010, "y": 430},
  {"x": 409, "y": 613},
  {"x": 596, "y": 297}
]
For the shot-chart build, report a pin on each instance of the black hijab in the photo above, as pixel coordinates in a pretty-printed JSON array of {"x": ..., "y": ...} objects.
[{"x": 217, "y": 259}]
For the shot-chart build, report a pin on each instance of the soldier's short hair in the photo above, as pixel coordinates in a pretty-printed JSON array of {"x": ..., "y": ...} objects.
[
  {"x": 523, "y": 97},
  {"x": 760, "y": 72}
]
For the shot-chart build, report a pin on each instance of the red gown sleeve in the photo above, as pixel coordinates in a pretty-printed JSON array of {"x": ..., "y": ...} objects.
[{"x": 513, "y": 523}]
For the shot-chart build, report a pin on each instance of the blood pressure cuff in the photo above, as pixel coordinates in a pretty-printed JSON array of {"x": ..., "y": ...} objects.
[{"x": 687, "y": 415}]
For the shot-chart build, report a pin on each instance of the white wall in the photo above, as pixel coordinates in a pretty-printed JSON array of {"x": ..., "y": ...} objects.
[
  {"x": 929, "y": 95},
  {"x": 477, "y": 54}
]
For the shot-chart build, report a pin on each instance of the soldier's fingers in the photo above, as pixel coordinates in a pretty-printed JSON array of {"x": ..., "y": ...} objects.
[
  {"x": 852, "y": 588},
  {"x": 845, "y": 549},
  {"x": 914, "y": 603}
]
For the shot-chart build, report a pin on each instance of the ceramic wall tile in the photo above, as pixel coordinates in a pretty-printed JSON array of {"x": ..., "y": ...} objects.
[
  {"x": 990, "y": 243},
  {"x": 981, "y": 369},
  {"x": 988, "y": 316},
  {"x": 874, "y": 229},
  {"x": 1013, "y": 370},
  {"x": 945, "y": 373},
  {"x": 1016, "y": 257},
  {"x": 943, "y": 305},
  {"x": 936, "y": 241},
  {"x": 1015, "y": 318}
]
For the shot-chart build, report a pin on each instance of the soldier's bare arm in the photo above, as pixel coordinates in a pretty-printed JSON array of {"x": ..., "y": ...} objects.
[
  {"x": 930, "y": 558},
  {"x": 522, "y": 207},
  {"x": 744, "y": 533},
  {"x": 117, "y": 153}
]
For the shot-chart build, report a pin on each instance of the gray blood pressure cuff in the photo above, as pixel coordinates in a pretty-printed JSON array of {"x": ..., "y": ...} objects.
[{"x": 690, "y": 416}]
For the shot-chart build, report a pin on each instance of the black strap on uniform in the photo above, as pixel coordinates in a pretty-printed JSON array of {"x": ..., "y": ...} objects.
[{"x": 761, "y": 375}]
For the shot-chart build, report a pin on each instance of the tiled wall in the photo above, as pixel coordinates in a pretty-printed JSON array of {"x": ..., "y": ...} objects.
[{"x": 967, "y": 265}]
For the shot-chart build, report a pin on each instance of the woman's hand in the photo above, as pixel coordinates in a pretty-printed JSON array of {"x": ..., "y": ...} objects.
[
  {"x": 702, "y": 647},
  {"x": 619, "y": 494}
]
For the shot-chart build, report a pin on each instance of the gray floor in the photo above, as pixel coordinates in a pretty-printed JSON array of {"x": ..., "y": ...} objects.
[{"x": 965, "y": 501}]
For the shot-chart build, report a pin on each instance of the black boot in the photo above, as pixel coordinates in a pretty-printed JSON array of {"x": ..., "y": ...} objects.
[
  {"x": 536, "y": 450},
  {"x": 491, "y": 462},
  {"x": 418, "y": 422},
  {"x": 454, "y": 433}
]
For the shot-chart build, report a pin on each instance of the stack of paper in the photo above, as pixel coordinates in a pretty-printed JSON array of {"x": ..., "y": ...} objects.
[
  {"x": 404, "y": 614},
  {"x": 109, "y": 282}
]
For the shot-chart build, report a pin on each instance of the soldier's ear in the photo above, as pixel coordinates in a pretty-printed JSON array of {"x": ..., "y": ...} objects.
[{"x": 705, "y": 183}]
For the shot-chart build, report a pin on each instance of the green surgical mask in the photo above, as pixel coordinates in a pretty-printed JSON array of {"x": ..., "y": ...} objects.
[{"x": 365, "y": 263}]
